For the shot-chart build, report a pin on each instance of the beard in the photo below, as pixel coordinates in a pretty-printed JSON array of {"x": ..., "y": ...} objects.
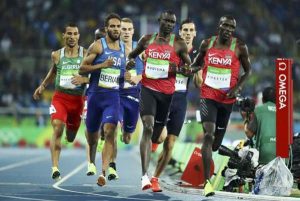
[{"x": 112, "y": 36}]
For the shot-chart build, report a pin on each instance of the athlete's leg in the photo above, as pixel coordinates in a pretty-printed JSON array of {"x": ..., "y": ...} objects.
[
  {"x": 108, "y": 149},
  {"x": 93, "y": 121},
  {"x": 55, "y": 144},
  {"x": 165, "y": 155},
  {"x": 208, "y": 110},
  {"x": 209, "y": 129},
  {"x": 145, "y": 144},
  {"x": 90, "y": 153},
  {"x": 130, "y": 109},
  {"x": 223, "y": 117}
]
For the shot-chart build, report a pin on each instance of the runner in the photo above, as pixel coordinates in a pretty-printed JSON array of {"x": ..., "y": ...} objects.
[
  {"x": 67, "y": 102},
  {"x": 163, "y": 52},
  {"x": 187, "y": 32},
  {"x": 105, "y": 61},
  {"x": 220, "y": 57}
]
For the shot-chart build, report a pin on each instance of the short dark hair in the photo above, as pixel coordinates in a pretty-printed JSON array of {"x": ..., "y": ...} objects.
[
  {"x": 230, "y": 17},
  {"x": 127, "y": 19},
  {"x": 269, "y": 95},
  {"x": 111, "y": 16},
  {"x": 169, "y": 12},
  {"x": 186, "y": 21},
  {"x": 70, "y": 24}
]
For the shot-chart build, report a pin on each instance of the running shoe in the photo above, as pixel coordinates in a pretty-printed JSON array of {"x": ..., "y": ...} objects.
[
  {"x": 146, "y": 184},
  {"x": 101, "y": 180},
  {"x": 92, "y": 170},
  {"x": 155, "y": 185},
  {"x": 208, "y": 189},
  {"x": 112, "y": 174},
  {"x": 100, "y": 145},
  {"x": 55, "y": 173},
  {"x": 154, "y": 147}
]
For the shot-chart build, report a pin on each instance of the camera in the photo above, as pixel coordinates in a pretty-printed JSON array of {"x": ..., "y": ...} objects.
[
  {"x": 242, "y": 164},
  {"x": 240, "y": 168},
  {"x": 246, "y": 104}
]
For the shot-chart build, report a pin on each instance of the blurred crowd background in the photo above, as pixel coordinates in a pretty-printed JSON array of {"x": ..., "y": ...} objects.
[{"x": 31, "y": 29}]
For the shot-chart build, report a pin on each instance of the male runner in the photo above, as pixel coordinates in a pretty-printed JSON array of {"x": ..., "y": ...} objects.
[
  {"x": 67, "y": 102},
  {"x": 92, "y": 170},
  {"x": 105, "y": 61},
  {"x": 129, "y": 94},
  {"x": 220, "y": 57},
  {"x": 163, "y": 53},
  {"x": 187, "y": 32}
]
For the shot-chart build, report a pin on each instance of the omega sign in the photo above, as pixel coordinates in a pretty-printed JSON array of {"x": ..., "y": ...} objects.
[
  {"x": 284, "y": 106},
  {"x": 282, "y": 91}
]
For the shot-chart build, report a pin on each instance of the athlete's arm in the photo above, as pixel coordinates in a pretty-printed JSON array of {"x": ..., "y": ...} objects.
[
  {"x": 141, "y": 47},
  {"x": 86, "y": 65},
  {"x": 78, "y": 80},
  {"x": 243, "y": 56},
  {"x": 182, "y": 51},
  {"x": 49, "y": 77},
  {"x": 199, "y": 59},
  {"x": 136, "y": 79},
  {"x": 250, "y": 127}
]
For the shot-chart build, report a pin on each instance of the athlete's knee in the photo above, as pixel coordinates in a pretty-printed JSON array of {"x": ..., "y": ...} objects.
[
  {"x": 71, "y": 135},
  {"x": 209, "y": 138},
  {"x": 148, "y": 127},
  {"x": 58, "y": 128},
  {"x": 109, "y": 133},
  {"x": 126, "y": 138}
]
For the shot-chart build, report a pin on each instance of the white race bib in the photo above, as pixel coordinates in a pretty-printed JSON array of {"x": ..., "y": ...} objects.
[
  {"x": 65, "y": 82},
  {"x": 127, "y": 84},
  {"x": 181, "y": 82},
  {"x": 156, "y": 68},
  {"x": 109, "y": 78},
  {"x": 218, "y": 78}
]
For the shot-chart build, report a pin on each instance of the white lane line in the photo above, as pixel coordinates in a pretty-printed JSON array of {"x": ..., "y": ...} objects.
[
  {"x": 65, "y": 178},
  {"x": 56, "y": 186},
  {"x": 21, "y": 184},
  {"x": 23, "y": 198},
  {"x": 22, "y": 163}
]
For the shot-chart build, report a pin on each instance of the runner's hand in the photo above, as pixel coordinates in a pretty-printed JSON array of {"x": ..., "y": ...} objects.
[
  {"x": 130, "y": 63},
  {"x": 233, "y": 92},
  {"x": 127, "y": 76},
  {"x": 186, "y": 70},
  {"x": 38, "y": 92},
  {"x": 77, "y": 79},
  {"x": 107, "y": 63},
  {"x": 173, "y": 67}
]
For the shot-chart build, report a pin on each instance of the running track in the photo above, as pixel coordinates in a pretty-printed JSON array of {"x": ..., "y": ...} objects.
[{"x": 25, "y": 175}]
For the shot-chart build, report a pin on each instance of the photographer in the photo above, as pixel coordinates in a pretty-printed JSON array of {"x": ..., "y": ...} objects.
[{"x": 261, "y": 126}]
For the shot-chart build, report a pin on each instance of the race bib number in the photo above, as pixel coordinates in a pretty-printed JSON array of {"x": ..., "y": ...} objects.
[
  {"x": 65, "y": 82},
  {"x": 52, "y": 109},
  {"x": 181, "y": 83},
  {"x": 109, "y": 78},
  {"x": 156, "y": 68},
  {"x": 127, "y": 84},
  {"x": 218, "y": 78}
]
